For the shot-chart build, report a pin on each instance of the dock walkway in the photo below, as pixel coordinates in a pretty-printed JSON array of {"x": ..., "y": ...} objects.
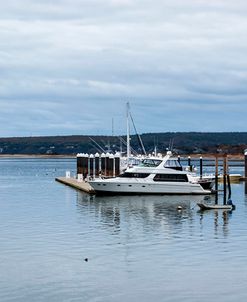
[{"x": 74, "y": 183}]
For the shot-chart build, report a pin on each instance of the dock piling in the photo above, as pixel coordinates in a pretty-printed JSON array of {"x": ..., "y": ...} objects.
[
  {"x": 224, "y": 177},
  {"x": 189, "y": 163},
  {"x": 117, "y": 164},
  {"x": 245, "y": 169},
  {"x": 79, "y": 159},
  {"x": 216, "y": 178},
  {"x": 103, "y": 164},
  {"x": 96, "y": 165},
  {"x": 201, "y": 167}
]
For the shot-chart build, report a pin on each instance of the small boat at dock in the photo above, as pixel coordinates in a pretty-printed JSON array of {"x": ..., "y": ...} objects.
[{"x": 205, "y": 206}]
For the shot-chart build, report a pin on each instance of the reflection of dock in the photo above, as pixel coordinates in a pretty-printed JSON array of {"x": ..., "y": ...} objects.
[{"x": 79, "y": 185}]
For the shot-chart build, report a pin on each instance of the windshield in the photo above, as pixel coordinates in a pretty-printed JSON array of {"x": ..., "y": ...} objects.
[
  {"x": 172, "y": 163},
  {"x": 150, "y": 162}
]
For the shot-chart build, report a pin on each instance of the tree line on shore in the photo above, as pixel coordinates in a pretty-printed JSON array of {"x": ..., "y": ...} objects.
[{"x": 180, "y": 142}]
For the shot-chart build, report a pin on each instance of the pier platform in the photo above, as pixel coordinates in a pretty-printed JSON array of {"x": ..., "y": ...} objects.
[{"x": 74, "y": 183}]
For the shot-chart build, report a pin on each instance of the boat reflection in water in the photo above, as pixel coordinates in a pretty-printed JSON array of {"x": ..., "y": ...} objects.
[
  {"x": 139, "y": 209},
  {"x": 150, "y": 212}
]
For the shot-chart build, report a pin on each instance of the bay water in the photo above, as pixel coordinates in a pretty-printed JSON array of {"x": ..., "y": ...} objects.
[{"x": 59, "y": 244}]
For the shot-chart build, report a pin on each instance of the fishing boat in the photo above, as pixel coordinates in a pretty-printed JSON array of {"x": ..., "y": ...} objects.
[{"x": 154, "y": 175}]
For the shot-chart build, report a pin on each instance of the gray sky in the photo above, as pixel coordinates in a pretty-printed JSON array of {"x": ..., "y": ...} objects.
[{"x": 69, "y": 66}]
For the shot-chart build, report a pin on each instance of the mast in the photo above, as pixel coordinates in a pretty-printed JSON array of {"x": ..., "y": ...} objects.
[{"x": 128, "y": 132}]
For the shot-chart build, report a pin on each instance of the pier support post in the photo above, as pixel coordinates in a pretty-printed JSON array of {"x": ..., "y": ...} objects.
[
  {"x": 201, "y": 167},
  {"x": 107, "y": 162},
  {"x": 85, "y": 165},
  {"x": 103, "y": 163},
  {"x": 216, "y": 178},
  {"x": 224, "y": 177},
  {"x": 245, "y": 163},
  {"x": 97, "y": 168},
  {"x": 111, "y": 163},
  {"x": 245, "y": 169},
  {"x": 91, "y": 165},
  {"x": 79, "y": 161},
  {"x": 117, "y": 164},
  {"x": 189, "y": 164}
]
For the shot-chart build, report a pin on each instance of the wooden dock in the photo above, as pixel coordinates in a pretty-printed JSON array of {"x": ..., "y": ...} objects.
[{"x": 74, "y": 183}]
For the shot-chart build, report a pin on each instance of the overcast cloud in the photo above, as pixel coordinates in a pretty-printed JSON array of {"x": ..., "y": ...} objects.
[{"x": 69, "y": 66}]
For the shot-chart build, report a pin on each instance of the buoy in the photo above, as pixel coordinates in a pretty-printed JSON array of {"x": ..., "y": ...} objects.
[
  {"x": 86, "y": 259},
  {"x": 179, "y": 208}
]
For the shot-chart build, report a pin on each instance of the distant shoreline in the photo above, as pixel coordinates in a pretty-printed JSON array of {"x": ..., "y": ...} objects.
[
  {"x": 35, "y": 156},
  {"x": 69, "y": 156}
]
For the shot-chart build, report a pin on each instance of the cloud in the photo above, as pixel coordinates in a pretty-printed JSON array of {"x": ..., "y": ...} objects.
[{"x": 65, "y": 62}]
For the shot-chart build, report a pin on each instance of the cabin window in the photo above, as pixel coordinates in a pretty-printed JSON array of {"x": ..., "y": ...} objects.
[
  {"x": 171, "y": 177},
  {"x": 150, "y": 162},
  {"x": 134, "y": 175}
]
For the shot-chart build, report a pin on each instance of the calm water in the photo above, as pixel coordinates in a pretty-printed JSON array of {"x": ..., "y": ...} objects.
[{"x": 139, "y": 248}]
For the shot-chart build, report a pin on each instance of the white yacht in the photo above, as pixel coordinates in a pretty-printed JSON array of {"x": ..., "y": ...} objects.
[{"x": 155, "y": 175}]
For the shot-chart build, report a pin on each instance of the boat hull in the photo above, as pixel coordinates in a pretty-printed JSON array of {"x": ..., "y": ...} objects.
[
  {"x": 204, "y": 206},
  {"x": 115, "y": 187}
]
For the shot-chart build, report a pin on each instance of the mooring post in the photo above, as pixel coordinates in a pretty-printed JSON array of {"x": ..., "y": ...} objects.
[
  {"x": 245, "y": 164},
  {"x": 228, "y": 179},
  {"x": 201, "y": 167},
  {"x": 245, "y": 169},
  {"x": 79, "y": 157},
  {"x": 96, "y": 165},
  {"x": 216, "y": 178},
  {"x": 224, "y": 177},
  {"x": 91, "y": 165},
  {"x": 103, "y": 163},
  {"x": 229, "y": 186},
  {"x": 85, "y": 165},
  {"x": 189, "y": 163},
  {"x": 107, "y": 164},
  {"x": 110, "y": 166},
  {"x": 114, "y": 166},
  {"x": 117, "y": 164}
]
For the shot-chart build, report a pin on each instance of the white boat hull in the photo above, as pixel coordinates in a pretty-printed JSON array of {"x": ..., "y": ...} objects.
[
  {"x": 204, "y": 206},
  {"x": 114, "y": 186}
]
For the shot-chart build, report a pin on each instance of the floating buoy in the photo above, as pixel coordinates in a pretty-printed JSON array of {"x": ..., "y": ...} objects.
[
  {"x": 179, "y": 208},
  {"x": 86, "y": 259}
]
